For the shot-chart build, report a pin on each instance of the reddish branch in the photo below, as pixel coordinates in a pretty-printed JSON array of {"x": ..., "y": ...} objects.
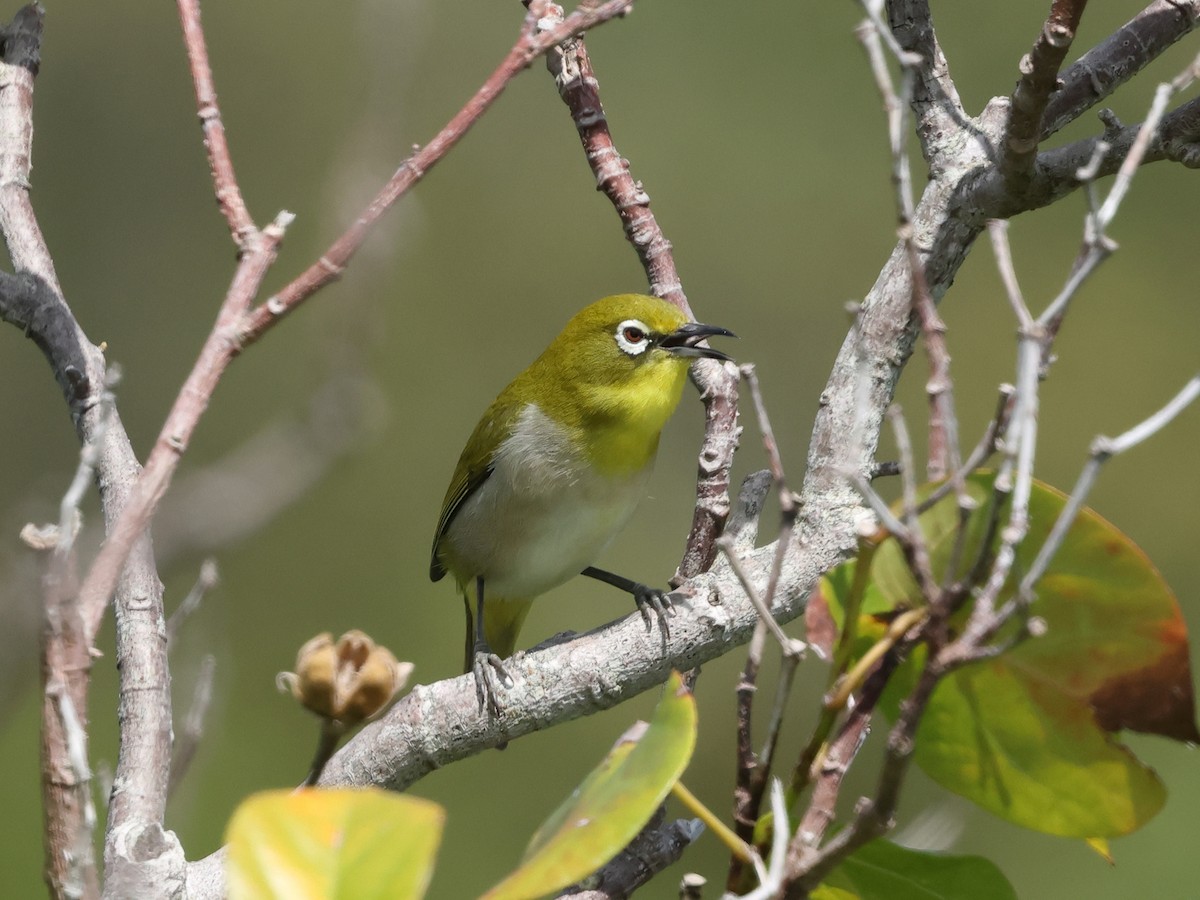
[
  {"x": 1039, "y": 79},
  {"x": 229, "y": 195},
  {"x": 532, "y": 43},
  {"x": 835, "y": 763}
]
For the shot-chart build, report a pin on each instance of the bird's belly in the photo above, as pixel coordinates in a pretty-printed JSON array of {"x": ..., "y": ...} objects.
[{"x": 526, "y": 533}]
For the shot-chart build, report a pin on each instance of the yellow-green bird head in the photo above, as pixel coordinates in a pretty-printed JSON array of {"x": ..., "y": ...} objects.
[
  {"x": 615, "y": 374},
  {"x": 620, "y": 354}
]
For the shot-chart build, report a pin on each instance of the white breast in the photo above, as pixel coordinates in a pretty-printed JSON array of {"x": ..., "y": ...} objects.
[{"x": 542, "y": 516}]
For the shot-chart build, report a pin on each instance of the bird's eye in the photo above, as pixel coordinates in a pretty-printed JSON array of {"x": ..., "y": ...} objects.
[{"x": 633, "y": 337}]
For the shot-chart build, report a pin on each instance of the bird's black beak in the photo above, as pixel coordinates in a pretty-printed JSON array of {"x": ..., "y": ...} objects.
[{"x": 682, "y": 341}]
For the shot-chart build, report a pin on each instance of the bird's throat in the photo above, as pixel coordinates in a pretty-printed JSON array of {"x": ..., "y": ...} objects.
[{"x": 625, "y": 422}]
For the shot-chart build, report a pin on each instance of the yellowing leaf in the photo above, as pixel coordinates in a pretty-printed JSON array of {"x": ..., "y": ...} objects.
[
  {"x": 322, "y": 844},
  {"x": 612, "y": 804},
  {"x": 1028, "y": 735},
  {"x": 1102, "y": 849}
]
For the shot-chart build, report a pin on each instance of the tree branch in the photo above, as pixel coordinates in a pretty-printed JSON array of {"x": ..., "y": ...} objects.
[
  {"x": 937, "y": 109},
  {"x": 1038, "y": 81},
  {"x": 1118, "y": 58},
  {"x": 656, "y": 846},
  {"x": 531, "y": 44},
  {"x": 33, "y": 300},
  {"x": 229, "y": 194}
]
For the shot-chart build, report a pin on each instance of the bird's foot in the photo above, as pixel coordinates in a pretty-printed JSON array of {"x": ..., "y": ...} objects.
[
  {"x": 650, "y": 599},
  {"x": 490, "y": 678}
]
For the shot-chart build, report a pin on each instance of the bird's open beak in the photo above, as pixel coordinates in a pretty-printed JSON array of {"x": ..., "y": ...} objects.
[{"x": 682, "y": 341}]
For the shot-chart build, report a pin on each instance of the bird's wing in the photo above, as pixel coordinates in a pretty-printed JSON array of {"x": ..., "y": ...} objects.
[{"x": 474, "y": 468}]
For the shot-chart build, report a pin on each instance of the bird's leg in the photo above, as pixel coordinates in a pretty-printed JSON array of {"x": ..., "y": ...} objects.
[
  {"x": 647, "y": 598},
  {"x": 490, "y": 674}
]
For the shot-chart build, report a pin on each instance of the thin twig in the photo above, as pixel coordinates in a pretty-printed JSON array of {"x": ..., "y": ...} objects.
[
  {"x": 193, "y": 725},
  {"x": 998, "y": 232},
  {"x": 789, "y": 503},
  {"x": 1133, "y": 159},
  {"x": 944, "y": 453},
  {"x": 786, "y": 644},
  {"x": 834, "y": 763},
  {"x": 996, "y": 428},
  {"x": 879, "y": 506},
  {"x": 1103, "y": 449},
  {"x": 1038, "y": 81},
  {"x": 235, "y": 328},
  {"x": 206, "y": 580},
  {"x": 869, "y": 540},
  {"x": 772, "y": 879},
  {"x": 531, "y": 44},
  {"x": 229, "y": 194},
  {"x": 913, "y": 538}
]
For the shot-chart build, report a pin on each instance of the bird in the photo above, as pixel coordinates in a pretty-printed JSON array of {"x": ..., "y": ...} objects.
[{"x": 556, "y": 467}]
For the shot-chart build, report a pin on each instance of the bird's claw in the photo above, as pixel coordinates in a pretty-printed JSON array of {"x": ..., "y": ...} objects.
[
  {"x": 490, "y": 678},
  {"x": 653, "y": 599}
]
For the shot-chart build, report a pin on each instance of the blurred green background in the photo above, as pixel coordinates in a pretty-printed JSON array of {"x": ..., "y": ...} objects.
[{"x": 758, "y": 133}]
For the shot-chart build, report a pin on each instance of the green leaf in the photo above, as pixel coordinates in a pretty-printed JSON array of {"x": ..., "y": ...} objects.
[
  {"x": 1028, "y": 735},
  {"x": 612, "y": 804},
  {"x": 319, "y": 844},
  {"x": 886, "y": 871}
]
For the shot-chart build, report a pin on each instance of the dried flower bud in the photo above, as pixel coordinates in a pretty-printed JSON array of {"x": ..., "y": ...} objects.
[{"x": 347, "y": 682}]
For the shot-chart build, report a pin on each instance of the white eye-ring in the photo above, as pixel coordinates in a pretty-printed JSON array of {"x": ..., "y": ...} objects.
[{"x": 633, "y": 337}]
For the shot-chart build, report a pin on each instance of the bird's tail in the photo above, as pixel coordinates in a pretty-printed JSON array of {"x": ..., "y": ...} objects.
[{"x": 502, "y": 621}]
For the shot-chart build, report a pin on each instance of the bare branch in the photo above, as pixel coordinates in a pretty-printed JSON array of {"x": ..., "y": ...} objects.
[
  {"x": 193, "y": 725},
  {"x": 1179, "y": 136},
  {"x": 1038, "y": 81},
  {"x": 879, "y": 506},
  {"x": 531, "y": 44},
  {"x": 803, "y": 849},
  {"x": 205, "y": 582},
  {"x": 437, "y": 724},
  {"x": 940, "y": 118},
  {"x": 913, "y": 538},
  {"x": 34, "y": 301},
  {"x": 1103, "y": 449},
  {"x": 1118, "y": 58},
  {"x": 229, "y": 195},
  {"x": 786, "y": 644},
  {"x": 218, "y": 351},
  {"x": 1146, "y": 133}
]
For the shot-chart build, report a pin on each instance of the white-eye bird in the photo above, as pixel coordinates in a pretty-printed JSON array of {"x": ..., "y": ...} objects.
[{"x": 556, "y": 467}]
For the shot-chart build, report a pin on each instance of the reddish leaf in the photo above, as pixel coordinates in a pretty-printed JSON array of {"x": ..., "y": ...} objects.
[{"x": 1156, "y": 699}]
